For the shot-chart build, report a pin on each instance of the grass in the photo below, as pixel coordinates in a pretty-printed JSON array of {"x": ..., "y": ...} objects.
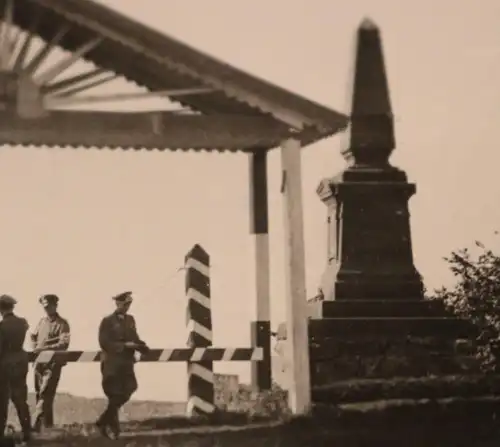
[
  {"x": 69, "y": 409},
  {"x": 354, "y": 410},
  {"x": 75, "y": 416}
]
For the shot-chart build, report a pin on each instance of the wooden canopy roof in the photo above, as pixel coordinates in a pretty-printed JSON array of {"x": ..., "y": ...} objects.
[{"x": 237, "y": 111}]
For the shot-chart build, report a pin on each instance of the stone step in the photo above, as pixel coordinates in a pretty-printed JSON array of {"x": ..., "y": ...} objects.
[
  {"x": 455, "y": 429},
  {"x": 387, "y": 367},
  {"x": 331, "y": 348},
  {"x": 377, "y": 308},
  {"x": 404, "y": 412},
  {"x": 320, "y": 329},
  {"x": 365, "y": 390},
  {"x": 369, "y": 357}
]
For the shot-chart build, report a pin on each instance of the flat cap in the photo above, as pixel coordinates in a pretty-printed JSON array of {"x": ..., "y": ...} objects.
[
  {"x": 47, "y": 299},
  {"x": 124, "y": 297},
  {"x": 7, "y": 299}
]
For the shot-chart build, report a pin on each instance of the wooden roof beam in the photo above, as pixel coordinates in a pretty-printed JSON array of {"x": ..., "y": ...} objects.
[
  {"x": 45, "y": 51},
  {"x": 5, "y": 29},
  {"x": 15, "y": 38},
  {"x": 53, "y": 72},
  {"x": 67, "y": 93},
  {"x": 64, "y": 99},
  {"x": 20, "y": 59},
  {"x": 71, "y": 81}
]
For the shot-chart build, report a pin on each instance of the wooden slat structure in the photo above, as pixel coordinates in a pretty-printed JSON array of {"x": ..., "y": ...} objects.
[{"x": 221, "y": 108}]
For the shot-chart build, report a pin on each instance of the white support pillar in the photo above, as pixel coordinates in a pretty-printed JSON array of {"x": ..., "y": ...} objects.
[{"x": 296, "y": 299}]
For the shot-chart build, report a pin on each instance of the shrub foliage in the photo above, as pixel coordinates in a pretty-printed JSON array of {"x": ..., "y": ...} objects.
[{"x": 476, "y": 297}]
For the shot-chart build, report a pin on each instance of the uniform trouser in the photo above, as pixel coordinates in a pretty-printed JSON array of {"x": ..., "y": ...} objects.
[
  {"x": 118, "y": 387},
  {"x": 13, "y": 387},
  {"x": 46, "y": 381}
]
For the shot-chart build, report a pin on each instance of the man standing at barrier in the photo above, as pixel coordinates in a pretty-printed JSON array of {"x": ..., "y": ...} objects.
[
  {"x": 13, "y": 366},
  {"x": 118, "y": 340},
  {"x": 51, "y": 334}
]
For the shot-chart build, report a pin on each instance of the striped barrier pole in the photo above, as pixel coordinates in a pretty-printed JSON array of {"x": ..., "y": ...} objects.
[
  {"x": 157, "y": 355},
  {"x": 201, "y": 394}
]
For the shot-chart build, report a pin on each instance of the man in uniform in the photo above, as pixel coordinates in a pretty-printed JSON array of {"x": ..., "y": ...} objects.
[
  {"x": 51, "y": 334},
  {"x": 118, "y": 340},
  {"x": 13, "y": 366}
]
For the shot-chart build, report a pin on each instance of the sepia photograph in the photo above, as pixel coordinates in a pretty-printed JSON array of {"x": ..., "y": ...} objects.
[{"x": 249, "y": 224}]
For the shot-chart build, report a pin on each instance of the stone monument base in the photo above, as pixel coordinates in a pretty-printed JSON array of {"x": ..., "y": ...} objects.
[{"x": 386, "y": 339}]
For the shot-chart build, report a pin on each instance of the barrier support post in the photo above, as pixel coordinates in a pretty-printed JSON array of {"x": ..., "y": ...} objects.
[
  {"x": 260, "y": 332},
  {"x": 259, "y": 227},
  {"x": 201, "y": 394}
]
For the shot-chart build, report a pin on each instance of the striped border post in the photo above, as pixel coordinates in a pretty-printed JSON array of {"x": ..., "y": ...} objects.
[
  {"x": 259, "y": 227},
  {"x": 201, "y": 393}
]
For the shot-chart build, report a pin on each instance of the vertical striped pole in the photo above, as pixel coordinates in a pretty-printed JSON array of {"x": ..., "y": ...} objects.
[
  {"x": 259, "y": 227},
  {"x": 199, "y": 321}
]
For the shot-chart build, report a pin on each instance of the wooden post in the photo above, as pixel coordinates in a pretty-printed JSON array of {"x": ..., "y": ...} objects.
[
  {"x": 296, "y": 300},
  {"x": 199, "y": 320},
  {"x": 259, "y": 227}
]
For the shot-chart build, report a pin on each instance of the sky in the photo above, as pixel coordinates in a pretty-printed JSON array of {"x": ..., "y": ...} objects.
[{"x": 89, "y": 224}]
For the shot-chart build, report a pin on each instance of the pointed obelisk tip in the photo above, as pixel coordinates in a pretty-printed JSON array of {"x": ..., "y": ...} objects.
[
  {"x": 368, "y": 24},
  {"x": 371, "y": 131}
]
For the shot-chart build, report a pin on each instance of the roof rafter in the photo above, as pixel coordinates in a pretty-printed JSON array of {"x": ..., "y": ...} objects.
[
  {"x": 67, "y": 62},
  {"x": 44, "y": 52},
  {"x": 5, "y": 33},
  {"x": 28, "y": 40},
  {"x": 64, "y": 99},
  {"x": 71, "y": 81}
]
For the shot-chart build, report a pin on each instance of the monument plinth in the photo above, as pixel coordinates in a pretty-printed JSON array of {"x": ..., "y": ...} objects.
[{"x": 370, "y": 251}]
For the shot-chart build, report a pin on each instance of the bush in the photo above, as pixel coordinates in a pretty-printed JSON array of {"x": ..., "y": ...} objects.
[
  {"x": 259, "y": 404},
  {"x": 476, "y": 297}
]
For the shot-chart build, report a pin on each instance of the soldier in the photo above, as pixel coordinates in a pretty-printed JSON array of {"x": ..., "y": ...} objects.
[
  {"x": 118, "y": 340},
  {"x": 51, "y": 334},
  {"x": 13, "y": 366}
]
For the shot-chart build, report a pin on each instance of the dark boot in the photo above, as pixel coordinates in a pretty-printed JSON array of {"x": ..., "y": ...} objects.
[
  {"x": 115, "y": 425},
  {"x": 26, "y": 438},
  {"x": 103, "y": 423}
]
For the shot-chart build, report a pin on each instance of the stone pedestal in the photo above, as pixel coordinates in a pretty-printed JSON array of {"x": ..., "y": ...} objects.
[
  {"x": 374, "y": 321},
  {"x": 370, "y": 253}
]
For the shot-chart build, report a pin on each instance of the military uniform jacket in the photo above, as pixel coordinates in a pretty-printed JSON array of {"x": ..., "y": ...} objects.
[
  {"x": 51, "y": 334},
  {"x": 114, "y": 331},
  {"x": 13, "y": 331}
]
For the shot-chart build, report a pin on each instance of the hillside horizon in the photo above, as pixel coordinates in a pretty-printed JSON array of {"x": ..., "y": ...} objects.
[{"x": 71, "y": 409}]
